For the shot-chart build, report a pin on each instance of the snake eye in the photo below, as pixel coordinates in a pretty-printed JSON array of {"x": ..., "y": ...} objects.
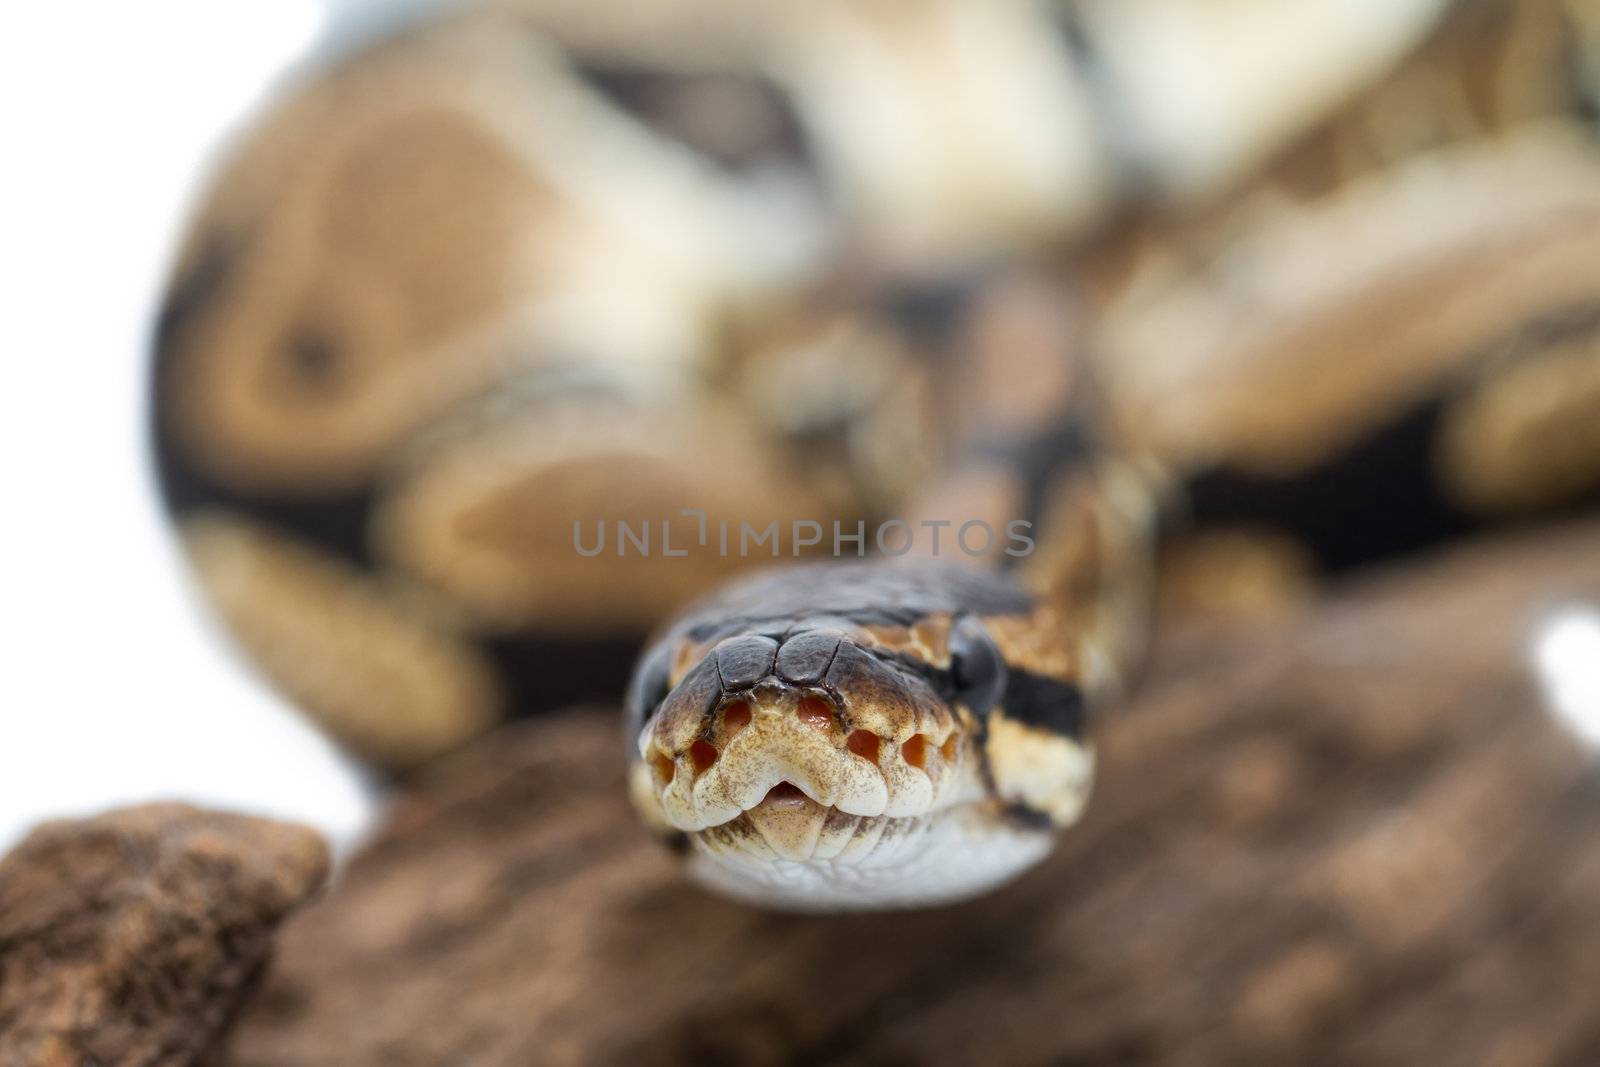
[
  {"x": 976, "y": 666},
  {"x": 650, "y": 685}
]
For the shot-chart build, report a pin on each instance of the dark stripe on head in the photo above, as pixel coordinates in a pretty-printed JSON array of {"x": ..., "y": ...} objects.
[
  {"x": 1045, "y": 703},
  {"x": 1029, "y": 818},
  {"x": 1031, "y": 699}
]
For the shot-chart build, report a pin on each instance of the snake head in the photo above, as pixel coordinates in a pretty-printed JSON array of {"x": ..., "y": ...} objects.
[{"x": 825, "y": 761}]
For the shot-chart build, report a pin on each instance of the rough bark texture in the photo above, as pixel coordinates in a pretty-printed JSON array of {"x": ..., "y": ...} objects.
[
  {"x": 133, "y": 937},
  {"x": 1354, "y": 837}
]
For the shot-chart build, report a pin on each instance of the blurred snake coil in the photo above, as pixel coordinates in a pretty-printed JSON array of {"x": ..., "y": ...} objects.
[{"x": 467, "y": 297}]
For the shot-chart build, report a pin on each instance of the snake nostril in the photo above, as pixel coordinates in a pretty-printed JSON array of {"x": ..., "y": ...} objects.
[
  {"x": 948, "y": 749},
  {"x": 815, "y": 713},
  {"x": 735, "y": 717},
  {"x": 915, "y": 751},
  {"x": 702, "y": 754},
  {"x": 666, "y": 769},
  {"x": 865, "y": 744}
]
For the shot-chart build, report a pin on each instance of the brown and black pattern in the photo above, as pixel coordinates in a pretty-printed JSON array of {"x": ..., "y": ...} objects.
[
  {"x": 1377, "y": 371},
  {"x": 521, "y": 267},
  {"x": 939, "y": 643}
]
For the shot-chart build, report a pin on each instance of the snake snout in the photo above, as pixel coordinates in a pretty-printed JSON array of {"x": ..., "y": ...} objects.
[{"x": 822, "y": 725}]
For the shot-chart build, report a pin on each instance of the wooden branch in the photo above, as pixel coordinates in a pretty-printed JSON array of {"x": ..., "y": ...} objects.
[
  {"x": 132, "y": 938},
  {"x": 1354, "y": 837}
]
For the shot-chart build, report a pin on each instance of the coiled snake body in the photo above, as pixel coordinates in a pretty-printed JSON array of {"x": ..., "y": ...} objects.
[{"x": 495, "y": 288}]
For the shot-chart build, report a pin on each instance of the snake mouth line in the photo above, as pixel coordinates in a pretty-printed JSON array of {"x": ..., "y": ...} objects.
[
  {"x": 787, "y": 797},
  {"x": 803, "y": 832},
  {"x": 788, "y": 824}
]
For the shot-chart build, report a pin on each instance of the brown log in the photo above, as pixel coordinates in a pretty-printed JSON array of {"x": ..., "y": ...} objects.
[
  {"x": 1357, "y": 837},
  {"x": 133, "y": 937}
]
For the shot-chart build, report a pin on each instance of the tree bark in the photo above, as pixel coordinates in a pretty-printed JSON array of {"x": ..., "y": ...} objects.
[
  {"x": 1357, "y": 836},
  {"x": 133, "y": 937}
]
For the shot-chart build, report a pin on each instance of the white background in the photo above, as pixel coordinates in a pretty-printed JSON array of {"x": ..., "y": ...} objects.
[{"x": 112, "y": 687}]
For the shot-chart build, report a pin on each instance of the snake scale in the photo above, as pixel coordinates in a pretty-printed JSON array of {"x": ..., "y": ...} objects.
[{"x": 525, "y": 338}]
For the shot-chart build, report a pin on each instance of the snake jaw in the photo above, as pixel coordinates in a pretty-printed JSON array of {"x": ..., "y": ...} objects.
[
  {"x": 790, "y": 828},
  {"x": 790, "y": 816}
]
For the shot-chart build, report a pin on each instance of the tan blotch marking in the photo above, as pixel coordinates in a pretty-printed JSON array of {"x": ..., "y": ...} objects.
[
  {"x": 1043, "y": 770},
  {"x": 1478, "y": 235},
  {"x": 1235, "y": 575},
  {"x": 928, "y": 640},
  {"x": 1528, "y": 436},
  {"x": 688, "y": 654},
  {"x": 338, "y": 260},
  {"x": 470, "y": 515},
  {"x": 1039, "y": 643}
]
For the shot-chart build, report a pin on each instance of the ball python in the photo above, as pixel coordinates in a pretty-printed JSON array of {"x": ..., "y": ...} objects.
[{"x": 841, "y": 278}]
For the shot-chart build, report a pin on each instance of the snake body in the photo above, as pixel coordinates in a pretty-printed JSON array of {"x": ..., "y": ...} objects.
[{"x": 522, "y": 276}]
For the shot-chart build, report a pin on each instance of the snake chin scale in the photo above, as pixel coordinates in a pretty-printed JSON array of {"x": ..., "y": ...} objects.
[{"x": 870, "y": 864}]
